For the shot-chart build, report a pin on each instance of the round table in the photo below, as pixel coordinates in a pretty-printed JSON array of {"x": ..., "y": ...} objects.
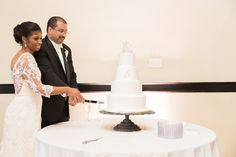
[{"x": 68, "y": 139}]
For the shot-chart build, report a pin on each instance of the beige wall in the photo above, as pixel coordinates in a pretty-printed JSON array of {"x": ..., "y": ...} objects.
[{"x": 196, "y": 40}]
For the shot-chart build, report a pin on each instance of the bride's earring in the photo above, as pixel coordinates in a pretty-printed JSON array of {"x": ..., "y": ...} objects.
[{"x": 24, "y": 44}]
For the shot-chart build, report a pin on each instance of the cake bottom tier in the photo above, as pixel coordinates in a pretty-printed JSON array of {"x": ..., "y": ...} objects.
[{"x": 126, "y": 103}]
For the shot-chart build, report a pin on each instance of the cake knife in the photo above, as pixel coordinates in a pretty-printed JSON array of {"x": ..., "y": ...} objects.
[
  {"x": 92, "y": 140},
  {"x": 94, "y": 101}
]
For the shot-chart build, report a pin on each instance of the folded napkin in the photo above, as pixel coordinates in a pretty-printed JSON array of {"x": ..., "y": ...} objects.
[{"x": 170, "y": 129}]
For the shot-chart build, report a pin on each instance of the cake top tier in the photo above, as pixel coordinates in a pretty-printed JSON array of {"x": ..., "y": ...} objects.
[
  {"x": 127, "y": 56},
  {"x": 126, "y": 69}
]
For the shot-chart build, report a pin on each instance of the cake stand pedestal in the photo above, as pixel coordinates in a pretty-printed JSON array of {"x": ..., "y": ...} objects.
[{"x": 127, "y": 125}]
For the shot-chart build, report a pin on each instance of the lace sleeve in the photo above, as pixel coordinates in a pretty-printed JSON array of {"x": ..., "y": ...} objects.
[{"x": 32, "y": 76}]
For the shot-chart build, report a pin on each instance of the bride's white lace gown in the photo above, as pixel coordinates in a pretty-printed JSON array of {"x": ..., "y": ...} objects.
[{"x": 23, "y": 115}]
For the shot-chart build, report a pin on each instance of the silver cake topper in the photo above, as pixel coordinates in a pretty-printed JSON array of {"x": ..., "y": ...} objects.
[{"x": 126, "y": 47}]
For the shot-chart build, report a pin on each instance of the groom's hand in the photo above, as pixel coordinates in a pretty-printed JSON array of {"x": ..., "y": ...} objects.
[{"x": 75, "y": 97}]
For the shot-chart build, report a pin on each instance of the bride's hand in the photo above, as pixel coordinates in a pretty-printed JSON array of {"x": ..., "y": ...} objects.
[
  {"x": 75, "y": 96},
  {"x": 72, "y": 101}
]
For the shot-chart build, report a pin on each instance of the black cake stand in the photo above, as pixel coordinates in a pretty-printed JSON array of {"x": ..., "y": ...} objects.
[{"x": 127, "y": 125}]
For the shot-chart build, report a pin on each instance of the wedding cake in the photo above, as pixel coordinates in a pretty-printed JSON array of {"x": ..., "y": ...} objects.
[{"x": 126, "y": 90}]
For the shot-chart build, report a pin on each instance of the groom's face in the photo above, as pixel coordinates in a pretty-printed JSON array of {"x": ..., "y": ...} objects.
[{"x": 58, "y": 34}]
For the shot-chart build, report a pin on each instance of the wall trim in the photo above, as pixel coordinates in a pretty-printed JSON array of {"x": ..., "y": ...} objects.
[
  {"x": 6, "y": 89},
  {"x": 162, "y": 87}
]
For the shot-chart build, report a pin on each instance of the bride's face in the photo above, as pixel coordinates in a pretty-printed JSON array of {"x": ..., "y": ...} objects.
[{"x": 34, "y": 41}]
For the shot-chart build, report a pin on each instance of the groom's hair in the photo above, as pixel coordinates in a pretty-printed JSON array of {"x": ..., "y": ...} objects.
[{"x": 52, "y": 22}]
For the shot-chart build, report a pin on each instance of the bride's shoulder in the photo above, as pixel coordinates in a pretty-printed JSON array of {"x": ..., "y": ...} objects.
[{"x": 21, "y": 58}]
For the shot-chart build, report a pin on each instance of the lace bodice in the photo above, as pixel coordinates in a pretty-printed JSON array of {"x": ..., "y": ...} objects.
[{"x": 26, "y": 70}]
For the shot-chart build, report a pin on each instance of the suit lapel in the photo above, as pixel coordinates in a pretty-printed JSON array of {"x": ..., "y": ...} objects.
[{"x": 53, "y": 55}]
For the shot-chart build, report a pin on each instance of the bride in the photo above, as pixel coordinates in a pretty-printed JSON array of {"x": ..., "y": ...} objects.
[{"x": 23, "y": 115}]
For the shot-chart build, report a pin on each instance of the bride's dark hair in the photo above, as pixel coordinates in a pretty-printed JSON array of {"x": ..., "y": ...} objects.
[{"x": 24, "y": 30}]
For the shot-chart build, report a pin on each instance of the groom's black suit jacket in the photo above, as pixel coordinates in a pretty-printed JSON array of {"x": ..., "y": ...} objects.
[{"x": 54, "y": 109}]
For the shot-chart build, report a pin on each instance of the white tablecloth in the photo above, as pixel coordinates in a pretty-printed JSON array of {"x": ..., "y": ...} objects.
[{"x": 65, "y": 140}]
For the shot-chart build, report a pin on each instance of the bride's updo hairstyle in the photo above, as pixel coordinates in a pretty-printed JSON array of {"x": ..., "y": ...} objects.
[{"x": 25, "y": 29}]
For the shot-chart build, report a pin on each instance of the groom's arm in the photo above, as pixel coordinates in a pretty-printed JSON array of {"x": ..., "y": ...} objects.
[{"x": 47, "y": 72}]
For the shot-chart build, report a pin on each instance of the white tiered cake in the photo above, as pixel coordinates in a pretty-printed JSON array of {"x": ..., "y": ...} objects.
[{"x": 126, "y": 90}]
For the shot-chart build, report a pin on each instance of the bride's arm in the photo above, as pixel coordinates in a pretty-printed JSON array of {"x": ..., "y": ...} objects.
[{"x": 32, "y": 76}]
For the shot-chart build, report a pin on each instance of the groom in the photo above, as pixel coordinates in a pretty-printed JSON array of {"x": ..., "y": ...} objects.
[{"x": 55, "y": 63}]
